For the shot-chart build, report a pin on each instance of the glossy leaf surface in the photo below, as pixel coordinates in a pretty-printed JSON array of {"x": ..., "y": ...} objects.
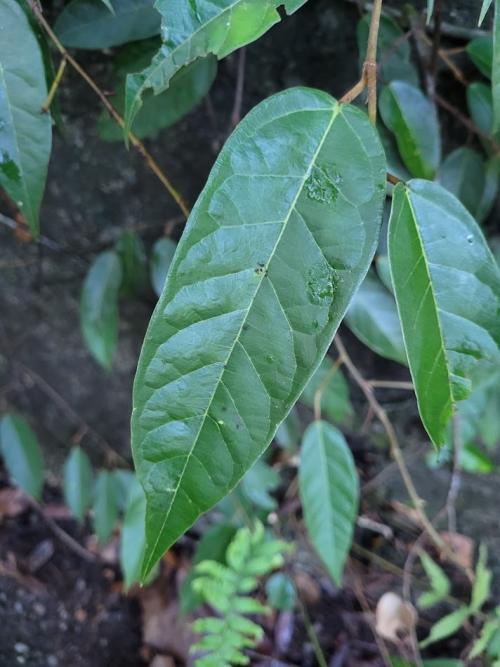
[
  {"x": 412, "y": 119},
  {"x": 78, "y": 482},
  {"x": 276, "y": 245},
  {"x": 373, "y": 318},
  {"x": 463, "y": 173},
  {"x": 25, "y": 132},
  {"x": 88, "y": 24},
  {"x": 329, "y": 490},
  {"x": 332, "y": 386},
  {"x": 187, "y": 88},
  {"x": 194, "y": 30},
  {"x": 163, "y": 253},
  {"x": 447, "y": 288},
  {"x": 105, "y": 505},
  {"x": 22, "y": 454},
  {"x": 480, "y": 51},
  {"x": 99, "y": 307}
]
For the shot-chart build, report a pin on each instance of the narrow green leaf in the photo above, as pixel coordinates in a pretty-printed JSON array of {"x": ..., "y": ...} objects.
[
  {"x": 329, "y": 491},
  {"x": 446, "y": 626},
  {"x": 335, "y": 401},
  {"x": 430, "y": 10},
  {"x": 191, "y": 31},
  {"x": 22, "y": 454},
  {"x": 440, "y": 584},
  {"x": 482, "y": 584},
  {"x": 490, "y": 191},
  {"x": 373, "y": 318},
  {"x": 130, "y": 250},
  {"x": 105, "y": 506},
  {"x": 187, "y": 88},
  {"x": 107, "y": 3},
  {"x": 480, "y": 104},
  {"x": 132, "y": 541},
  {"x": 99, "y": 307},
  {"x": 276, "y": 245},
  {"x": 163, "y": 254},
  {"x": 78, "y": 480},
  {"x": 25, "y": 132},
  {"x": 280, "y": 592},
  {"x": 447, "y": 287},
  {"x": 484, "y": 8},
  {"x": 495, "y": 69},
  {"x": 480, "y": 51},
  {"x": 88, "y": 24},
  {"x": 463, "y": 173},
  {"x": 488, "y": 631},
  {"x": 412, "y": 118}
]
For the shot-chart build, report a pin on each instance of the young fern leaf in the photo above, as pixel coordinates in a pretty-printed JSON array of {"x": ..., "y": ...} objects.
[
  {"x": 225, "y": 588},
  {"x": 277, "y": 244}
]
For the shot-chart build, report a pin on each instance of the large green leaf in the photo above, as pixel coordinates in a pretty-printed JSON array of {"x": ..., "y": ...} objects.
[
  {"x": 105, "y": 505},
  {"x": 335, "y": 401},
  {"x": 99, "y": 307},
  {"x": 278, "y": 242},
  {"x": 329, "y": 491},
  {"x": 447, "y": 288},
  {"x": 373, "y": 318},
  {"x": 88, "y": 24},
  {"x": 25, "y": 132},
  {"x": 22, "y": 454},
  {"x": 192, "y": 30},
  {"x": 187, "y": 88},
  {"x": 163, "y": 253},
  {"x": 393, "y": 50},
  {"x": 480, "y": 51},
  {"x": 78, "y": 480},
  {"x": 495, "y": 69},
  {"x": 412, "y": 118},
  {"x": 463, "y": 173}
]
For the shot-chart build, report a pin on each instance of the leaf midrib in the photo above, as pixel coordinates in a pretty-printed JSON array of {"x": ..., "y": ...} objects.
[{"x": 336, "y": 110}]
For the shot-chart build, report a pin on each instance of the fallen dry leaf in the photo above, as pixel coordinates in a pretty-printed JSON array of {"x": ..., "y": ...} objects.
[
  {"x": 394, "y": 618},
  {"x": 462, "y": 546},
  {"x": 308, "y": 589}
]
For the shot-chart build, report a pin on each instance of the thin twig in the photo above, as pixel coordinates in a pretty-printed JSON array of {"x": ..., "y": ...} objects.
[
  {"x": 397, "y": 455},
  {"x": 54, "y": 86},
  {"x": 150, "y": 161},
  {"x": 355, "y": 91},
  {"x": 238, "y": 95},
  {"x": 436, "y": 41},
  {"x": 312, "y": 634},
  {"x": 390, "y": 384},
  {"x": 370, "y": 65}
]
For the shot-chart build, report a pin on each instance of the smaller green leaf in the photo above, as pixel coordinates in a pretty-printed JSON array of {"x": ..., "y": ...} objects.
[
  {"x": 288, "y": 434},
  {"x": 480, "y": 104},
  {"x": 480, "y": 51},
  {"x": 373, "y": 318},
  {"x": 484, "y": 8},
  {"x": 446, "y": 626},
  {"x": 163, "y": 253},
  {"x": 482, "y": 583},
  {"x": 22, "y": 454},
  {"x": 124, "y": 480},
  {"x": 473, "y": 460},
  {"x": 88, "y": 24},
  {"x": 105, "y": 506},
  {"x": 78, "y": 479},
  {"x": 440, "y": 584},
  {"x": 130, "y": 250},
  {"x": 330, "y": 381},
  {"x": 412, "y": 119},
  {"x": 132, "y": 542},
  {"x": 490, "y": 628},
  {"x": 280, "y": 592},
  {"x": 463, "y": 173},
  {"x": 329, "y": 491},
  {"x": 490, "y": 191},
  {"x": 99, "y": 307},
  {"x": 257, "y": 484}
]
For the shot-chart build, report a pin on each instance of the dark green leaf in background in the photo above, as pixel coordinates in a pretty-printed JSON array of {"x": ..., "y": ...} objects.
[
  {"x": 99, "y": 307},
  {"x": 163, "y": 253},
  {"x": 22, "y": 454},
  {"x": 105, "y": 505},
  {"x": 132, "y": 539},
  {"x": 130, "y": 250},
  {"x": 25, "y": 132},
  {"x": 447, "y": 288},
  {"x": 384, "y": 272},
  {"x": 78, "y": 482},
  {"x": 274, "y": 249},
  {"x": 288, "y": 434},
  {"x": 495, "y": 69},
  {"x": 480, "y": 51},
  {"x": 258, "y": 484},
  {"x": 412, "y": 119},
  {"x": 329, "y": 490},
  {"x": 192, "y": 31},
  {"x": 480, "y": 106},
  {"x": 280, "y": 591},
  {"x": 463, "y": 173},
  {"x": 88, "y": 24},
  {"x": 335, "y": 401},
  {"x": 373, "y": 318}
]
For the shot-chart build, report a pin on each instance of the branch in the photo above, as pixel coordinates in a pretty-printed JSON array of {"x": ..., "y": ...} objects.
[
  {"x": 370, "y": 65},
  {"x": 150, "y": 161}
]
